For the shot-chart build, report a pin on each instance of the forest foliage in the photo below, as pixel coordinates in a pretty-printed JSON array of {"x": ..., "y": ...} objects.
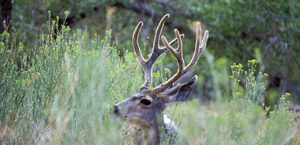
[
  {"x": 240, "y": 30},
  {"x": 65, "y": 63}
]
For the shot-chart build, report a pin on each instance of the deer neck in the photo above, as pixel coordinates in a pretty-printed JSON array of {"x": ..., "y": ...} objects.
[{"x": 155, "y": 131}]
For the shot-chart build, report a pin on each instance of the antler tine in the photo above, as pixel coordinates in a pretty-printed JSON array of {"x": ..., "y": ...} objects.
[
  {"x": 158, "y": 31},
  {"x": 172, "y": 42},
  {"x": 156, "y": 50},
  {"x": 178, "y": 53},
  {"x": 135, "y": 39},
  {"x": 136, "y": 44},
  {"x": 137, "y": 50},
  {"x": 155, "y": 53},
  {"x": 199, "y": 47}
]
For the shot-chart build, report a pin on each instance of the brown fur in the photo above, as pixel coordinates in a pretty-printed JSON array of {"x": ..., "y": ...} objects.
[{"x": 145, "y": 107}]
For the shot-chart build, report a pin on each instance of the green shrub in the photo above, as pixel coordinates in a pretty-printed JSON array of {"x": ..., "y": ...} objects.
[
  {"x": 241, "y": 119},
  {"x": 69, "y": 86}
]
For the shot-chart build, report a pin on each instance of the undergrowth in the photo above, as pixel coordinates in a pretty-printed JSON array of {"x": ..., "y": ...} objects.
[{"x": 61, "y": 91}]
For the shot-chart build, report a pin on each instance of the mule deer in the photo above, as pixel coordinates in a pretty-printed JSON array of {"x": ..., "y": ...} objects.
[{"x": 145, "y": 107}]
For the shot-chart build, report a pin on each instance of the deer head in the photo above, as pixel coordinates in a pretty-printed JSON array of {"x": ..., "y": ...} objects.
[{"x": 145, "y": 106}]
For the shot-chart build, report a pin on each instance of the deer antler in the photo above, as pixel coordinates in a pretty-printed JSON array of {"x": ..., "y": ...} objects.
[
  {"x": 178, "y": 53},
  {"x": 155, "y": 53}
]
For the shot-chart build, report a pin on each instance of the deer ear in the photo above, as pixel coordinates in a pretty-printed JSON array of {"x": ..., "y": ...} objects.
[{"x": 182, "y": 92}]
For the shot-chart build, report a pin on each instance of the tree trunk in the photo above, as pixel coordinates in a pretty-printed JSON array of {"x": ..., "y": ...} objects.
[{"x": 5, "y": 14}]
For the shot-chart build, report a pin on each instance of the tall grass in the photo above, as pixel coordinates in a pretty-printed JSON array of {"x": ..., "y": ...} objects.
[
  {"x": 66, "y": 92},
  {"x": 242, "y": 119},
  {"x": 61, "y": 92}
]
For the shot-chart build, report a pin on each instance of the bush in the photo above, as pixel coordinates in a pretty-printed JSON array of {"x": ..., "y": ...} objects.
[
  {"x": 64, "y": 89},
  {"x": 240, "y": 119}
]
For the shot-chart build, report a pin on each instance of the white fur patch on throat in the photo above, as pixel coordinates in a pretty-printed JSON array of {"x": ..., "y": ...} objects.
[{"x": 169, "y": 123}]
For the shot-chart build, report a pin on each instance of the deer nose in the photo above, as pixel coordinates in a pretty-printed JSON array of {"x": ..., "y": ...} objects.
[{"x": 116, "y": 109}]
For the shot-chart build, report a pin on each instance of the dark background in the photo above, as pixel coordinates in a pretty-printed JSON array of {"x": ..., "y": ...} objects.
[{"x": 268, "y": 31}]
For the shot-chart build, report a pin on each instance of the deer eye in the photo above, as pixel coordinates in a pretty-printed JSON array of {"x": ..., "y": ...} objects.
[{"x": 146, "y": 102}]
